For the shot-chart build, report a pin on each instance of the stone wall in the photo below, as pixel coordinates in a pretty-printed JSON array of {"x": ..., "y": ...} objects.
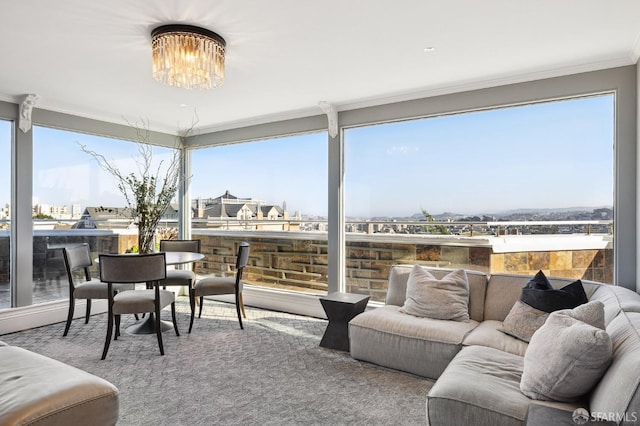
[
  {"x": 301, "y": 265},
  {"x": 290, "y": 262}
]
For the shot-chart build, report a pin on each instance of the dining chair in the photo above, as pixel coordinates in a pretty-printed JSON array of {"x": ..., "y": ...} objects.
[
  {"x": 180, "y": 277},
  {"x": 78, "y": 258},
  {"x": 149, "y": 268},
  {"x": 213, "y": 286}
]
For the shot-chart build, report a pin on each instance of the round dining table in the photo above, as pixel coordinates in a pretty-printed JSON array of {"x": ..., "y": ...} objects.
[{"x": 172, "y": 258}]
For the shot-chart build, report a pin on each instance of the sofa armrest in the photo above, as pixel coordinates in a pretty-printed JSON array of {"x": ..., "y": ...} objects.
[{"x": 543, "y": 415}]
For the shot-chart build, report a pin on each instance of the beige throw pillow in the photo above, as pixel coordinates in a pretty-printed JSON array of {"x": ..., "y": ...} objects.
[
  {"x": 446, "y": 299},
  {"x": 568, "y": 355},
  {"x": 523, "y": 320}
]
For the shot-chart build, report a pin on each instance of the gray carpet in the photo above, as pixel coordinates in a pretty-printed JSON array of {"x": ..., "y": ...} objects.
[{"x": 272, "y": 373}]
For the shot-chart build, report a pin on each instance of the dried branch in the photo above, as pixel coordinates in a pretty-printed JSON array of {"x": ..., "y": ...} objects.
[{"x": 148, "y": 193}]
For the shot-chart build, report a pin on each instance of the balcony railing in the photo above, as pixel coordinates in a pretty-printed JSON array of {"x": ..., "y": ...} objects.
[{"x": 292, "y": 254}]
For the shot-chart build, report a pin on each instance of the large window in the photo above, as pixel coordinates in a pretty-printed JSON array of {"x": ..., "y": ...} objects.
[
  {"x": 548, "y": 164},
  {"x": 5, "y": 214},
  {"x": 76, "y": 201},
  {"x": 273, "y": 194}
]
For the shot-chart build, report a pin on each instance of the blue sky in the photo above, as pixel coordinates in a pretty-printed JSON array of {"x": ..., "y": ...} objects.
[{"x": 555, "y": 154}]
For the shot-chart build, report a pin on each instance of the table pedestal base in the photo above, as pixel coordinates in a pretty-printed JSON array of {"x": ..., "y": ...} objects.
[{"x": 148, "y": 326}]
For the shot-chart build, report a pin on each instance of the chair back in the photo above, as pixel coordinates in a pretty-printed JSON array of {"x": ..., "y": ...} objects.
[
  {"x": 241, "y": 261},
  {"x": 77, "y": 257},
  {"x": 192, "y": 246},
  {"x": 132, "y": 268}
]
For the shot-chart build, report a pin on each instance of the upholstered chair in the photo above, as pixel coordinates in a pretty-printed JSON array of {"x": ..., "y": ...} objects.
[{"x": 213, "y": 286}]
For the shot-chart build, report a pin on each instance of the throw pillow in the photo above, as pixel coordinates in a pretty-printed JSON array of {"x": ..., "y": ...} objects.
[
  {"x": 522, "y": 321},
  {"x": 446, "y": 299},
  {"x": 568, "y": 355},
  {"x": 539, "y": 293},
  {"x": 538, "y": 298}
]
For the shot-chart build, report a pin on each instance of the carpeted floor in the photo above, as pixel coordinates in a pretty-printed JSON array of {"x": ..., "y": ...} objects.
[{"x": 271, "y": 373}]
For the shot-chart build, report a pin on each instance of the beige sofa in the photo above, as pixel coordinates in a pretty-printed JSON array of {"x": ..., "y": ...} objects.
[
  {"x": 36, "y": 390},
  {"x": 477, "y": 367}
]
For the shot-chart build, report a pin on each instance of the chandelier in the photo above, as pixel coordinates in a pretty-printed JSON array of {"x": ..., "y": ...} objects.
[{"x": 188, "y": 57}]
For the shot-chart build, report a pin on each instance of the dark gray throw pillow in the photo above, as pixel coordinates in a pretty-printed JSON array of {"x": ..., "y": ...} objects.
[{"x": 539, "y": 294}]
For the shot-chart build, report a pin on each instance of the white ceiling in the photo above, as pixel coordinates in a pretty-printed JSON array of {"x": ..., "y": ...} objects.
[{"x": 93, "y": 59}]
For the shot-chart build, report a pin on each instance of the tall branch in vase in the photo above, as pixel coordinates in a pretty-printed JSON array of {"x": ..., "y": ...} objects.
[{"x": 148, "y": 192}]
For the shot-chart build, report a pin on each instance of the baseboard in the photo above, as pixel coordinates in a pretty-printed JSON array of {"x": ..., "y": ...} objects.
[
  {"x": 279, "y": 300},
  {"x": 18, "y": 319}
]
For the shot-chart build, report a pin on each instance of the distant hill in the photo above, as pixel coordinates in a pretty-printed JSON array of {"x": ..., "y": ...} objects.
[{"x": 511, "y": 213}]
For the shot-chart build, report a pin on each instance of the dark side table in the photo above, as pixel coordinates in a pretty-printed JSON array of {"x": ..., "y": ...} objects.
[{"x": 340, "y": 309}]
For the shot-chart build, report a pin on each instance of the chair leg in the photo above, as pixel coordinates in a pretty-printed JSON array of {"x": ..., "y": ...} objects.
[
  {"x": 117, "y": 317},
  {"x": 159, "y": 331},
  {"x": 238, "y": 310},
  {"x": 108, "y": 338},
  {"x": 72, "y": 305},
  {"x": 173, "y": 317},
  {"x": 201, "y": 303},
  {"x": 192, "y": 302},
  {"x": 87, "y": 314},
  {"x": 244, "y": 315}
]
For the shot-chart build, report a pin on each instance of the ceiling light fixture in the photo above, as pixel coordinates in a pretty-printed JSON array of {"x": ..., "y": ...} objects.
[{"x": 188, "y": 57}]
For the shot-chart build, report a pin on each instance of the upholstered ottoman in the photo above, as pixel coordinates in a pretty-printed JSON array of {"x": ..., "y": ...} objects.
[{"x": 36, "y": 390}]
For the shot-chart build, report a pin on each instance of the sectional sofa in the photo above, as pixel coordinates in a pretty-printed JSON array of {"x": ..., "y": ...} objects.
[
  {"x": 479, "y": 368},
  {"x": 37, "y": 390}
]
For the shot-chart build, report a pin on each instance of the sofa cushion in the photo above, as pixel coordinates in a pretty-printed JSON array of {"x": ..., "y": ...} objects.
[
  {"x": 504, "y": 289},
  {"x": 523, "y": 320},
  {"x": 43, "y": 391},
  {"x": 446, "y": 298},
  {"x": 487, "y": 334},
  {"x": 540, "y": 294},
  {"x": 397, "y": 289},
  {"x": 502, "y": 292},
  {"x": 567, "y": 355},
  {"x": 422, "y": 346},
  {"x": 480, "y": 387}
]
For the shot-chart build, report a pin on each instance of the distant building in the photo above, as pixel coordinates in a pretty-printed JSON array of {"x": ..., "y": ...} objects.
[
  {"x": 104, "y": 218},
  {"x": 171, "y": 214},
  {"x": 57, "y": 212},
  {"x": 5, "y": 212},
  {"x": 221, "y": 211},
  {"x": 228, "y": 206},
  {"x": 116, "y": 217}
]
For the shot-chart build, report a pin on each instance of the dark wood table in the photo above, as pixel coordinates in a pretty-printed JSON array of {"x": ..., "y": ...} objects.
[{"x": 340, "y": 309}]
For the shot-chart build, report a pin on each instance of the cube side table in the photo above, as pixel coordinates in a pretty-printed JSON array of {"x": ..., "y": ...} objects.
[{"x": 340, "y": 309}]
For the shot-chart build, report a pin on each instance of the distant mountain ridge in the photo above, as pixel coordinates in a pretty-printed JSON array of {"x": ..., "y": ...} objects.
[{"x": 514, "y": 212}]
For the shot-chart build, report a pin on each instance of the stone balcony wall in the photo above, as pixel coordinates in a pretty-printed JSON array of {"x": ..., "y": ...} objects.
[
  {"x": 301, "y": 264},
  {"x": 298, "y": 260}
]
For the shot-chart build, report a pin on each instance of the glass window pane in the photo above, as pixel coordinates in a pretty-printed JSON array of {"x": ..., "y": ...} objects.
[
  {"x": 5, "y": 214},
  {"x": 272, "y": 194},
  {"x": 478, "y": 176},
  {"x": 76, "y": 201}
]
